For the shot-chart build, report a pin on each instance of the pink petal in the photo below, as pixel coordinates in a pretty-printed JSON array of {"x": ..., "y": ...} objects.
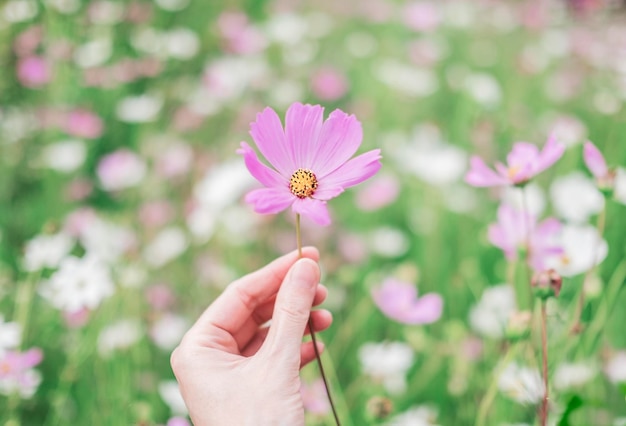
[
  {"x": 428, "y": 309},
  {"x": 270, "y": 200},
  {"x": 522, "y": 154},
  {"x": 481, "y": 175},
  {"x": 552, "y": 151},
  {"x": 594, "y": 160},
  {"x": 355, "y": 171},
  {"x": 325, "y": 192},
  {"x": 315, "y": 210},
  {"x": 303, "y": 126},
  {"x": 498, "y": 236},
  {"x": 260, "y": 171},
  {"x": 269, "y": 137},
  {"x": 31, "y": 357},
  {"x": 341, "y": 137}
]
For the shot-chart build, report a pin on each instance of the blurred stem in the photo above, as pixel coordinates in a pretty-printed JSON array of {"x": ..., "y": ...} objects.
[
  {"x": 544, "y": 351},
  {"x": 577, "y": 326},
  {"x": 487, "y": 401},
  {"x": 311, "y": 329},
  {"x": 525, "y": 302}
]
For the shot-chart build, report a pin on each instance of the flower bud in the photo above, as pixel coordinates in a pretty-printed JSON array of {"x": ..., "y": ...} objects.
[
  {"x": 546, "y": 284},
  {"x": 518, "y": 326},
  {"x": 606, "y": 184},
  {"x": 379, "y": 407}
]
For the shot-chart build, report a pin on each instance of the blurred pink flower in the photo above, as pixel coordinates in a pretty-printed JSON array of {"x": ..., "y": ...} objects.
[
  {"x": 79, "y": 220},
  {"x": 78, "y": 189},
  {"x": 156, "y": 213},
  {"x": 175, "y": 160},
  {"x": 76, "y": 319},
  {"x": 178, "y": 421},
  {"x": 121, "y": 169},
  {"x": 160, "y": 296},
  {"x": 329, "y": 84},
  {"x": 239, "y": 35},
  {"x": 314, "y": 397},
  {"x": 398, "y": 300},
  {"x": 516, "y": 230},
  {"x": 27, "y": 41},
  {"x": 311, "y": 160},
  {"x": 33, "y": 71},
  {"x": 421, "y": 16},
  {"x": 378, "y": 193},
  {"x": 523, "y": 163},
  {"x": 17, "y": 374},
  {"x": 594, "y": 160},
  {"x": 83, "y": 124}
]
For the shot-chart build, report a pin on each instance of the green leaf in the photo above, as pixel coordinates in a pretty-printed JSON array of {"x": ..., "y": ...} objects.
[{"x": 574, "y": 404}]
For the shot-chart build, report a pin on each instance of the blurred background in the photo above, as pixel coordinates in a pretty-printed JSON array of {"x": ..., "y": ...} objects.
[{"x": 121, "y": 211}]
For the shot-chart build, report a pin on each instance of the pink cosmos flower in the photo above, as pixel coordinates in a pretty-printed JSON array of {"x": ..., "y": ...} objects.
[
  {"x": 398, "y": 300},
  {"x": 33, "y": 71},
  {"x": 17, "y": 374},
  {"x": 314, "y": 397},
  {"x": 329, "y": 84},
  {"x": 517, "y": 230},
  {"x": 121, "y": 169},
  {"x": 83, "y": 124},
  {"x": 523, "y": 163},
  {"x": 595, "y": 162},
  {"x": 311, "y": 160}
]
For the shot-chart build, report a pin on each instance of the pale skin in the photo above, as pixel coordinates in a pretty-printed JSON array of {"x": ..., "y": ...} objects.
[{"x": 234, "y": 369}]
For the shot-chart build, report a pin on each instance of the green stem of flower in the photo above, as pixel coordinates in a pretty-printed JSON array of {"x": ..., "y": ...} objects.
[
  {"x": 313, "y": 338},
  {"x": 544, "y": 351},
  {"x": 487, "y": 400}
]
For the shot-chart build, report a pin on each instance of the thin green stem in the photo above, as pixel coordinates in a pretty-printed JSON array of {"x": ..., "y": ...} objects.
[
  {"x": 487, "y": 400},
  {"x": 544, "y": 351},
  {"x": 313, "y": 338}
]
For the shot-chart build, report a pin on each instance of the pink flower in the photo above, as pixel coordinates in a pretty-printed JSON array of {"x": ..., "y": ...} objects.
[
  {"x": 378, "y": 193},
  {"x": 329, "y": 84},
  {"x": 17, "y": 374},
  {"x": 594, "y": 160},
  {"x": 516, "y": 230},
  {"x": 311, "y": 160},
  {"x": 398, "y": 300},
  {"x": 314, "y": 397},
  {"x": 33, "y": 71},
  {"x": 121, "y": 169},
  {"x": 421, "y": 16},
  {"x": 83, "y": 124},
  {"x": 523, "y": 163}
]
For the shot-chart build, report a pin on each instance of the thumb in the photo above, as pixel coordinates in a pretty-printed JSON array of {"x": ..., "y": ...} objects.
[{"x": 292, "y": 310}]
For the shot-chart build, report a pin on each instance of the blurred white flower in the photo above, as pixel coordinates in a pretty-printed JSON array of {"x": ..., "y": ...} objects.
[
  {"x": 149, "y": 40},
  {"x": 521, "y": 384},
  {"x": 93, "y": 53},
  {"x": 174, "y": 160},
  {"x": 121, "y": 169},
  {"x": 361, "y": 44},
  {"x": 118, "y": 336},
  {"x": 46, "y": 251},
  {"x": 531, "y": 198},
  {"x": 64, "y": 6},
  {"x": 387, "y": 362},
  {"x": 78, "y": 284},
  {"x": 415, "y": 416},
  {"x": 435, "y": 162},
  {"x": 20, "y": 10},
  {"x": 139, "y": 109},
  {"x": 168, "y": 331},
  {"x": 170, "y": 394},
  {"x": 620, "y": 185},
  {"x": 65, "y": 156},
  {"x": 286, "y": 28},
  {"x": 571, "y": 375},
  {"x": 484, "y": 89},
  {"x": 223, "y": 186},
  {"x": 104, "y": 12},
  {"x": 107, "y": 240},
  {"x": 165, "y": 247},
  {"x": 568, "y": 130},
  {"x": 582, "y": 248},
  {"x": 615, "y": 367},
  {"x": 227, "y": 78},
  {"x": 388, "y": 242},
  {"x": 460, "y": 199},
  {"x": 406, "y": 79},
  {"x": 182, "y": 43},
  {"x": 172, "y": 5},
  {"x": 10, "y": 335},
  {"x": 575, "y": 197},
  {"x": 286, "y": 92},
  {"x": 490, "y": 315}
]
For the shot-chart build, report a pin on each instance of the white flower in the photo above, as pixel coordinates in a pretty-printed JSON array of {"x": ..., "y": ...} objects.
[
  {"x": 227, "y": 78},
  {"x": 570, "y": 375},
  {"x": 172, "y": 5},
  {"x": 166, "y": 246},
  {"x": 168, "y": 331},
  {"x": 182, "y": 43},
  {"x": 406, "y": 79},
  {"x": 415, "y": 416},
  {"x": 106, "y": 12},
  {"x": 10, "y": 335},
  {"x": 223, "y": 186},
  {"x": 530, "y": 198},
  {"x": 615, "y": 368},
  {"x": 47, "y": 251},
  {"x": 65, "y": 156},
  {"x": 620, "y": 185},
  {"x": 139, "y": 109},
  {"x": 388, "y": 362},
  {"x": 388, "y": 242},
  {"x": 93, "y": 53},
  {"x": 583, "y": 247},
  {"x": 575, "y": 197},
  {"x": 120, "y": 335},
  {"x": 484, "y": 89},
  {"x": 490, "y": 315},
  {"x": 64, "y": 6},
  {"x": 170, "y": 394},
  {"x": 286, "y": 28},
  {"x": 20, "y": 10},
  {"x": 521, "y": 384},
  {"x": 78, "y": 284},
  {"x": 106, "y": 240}
]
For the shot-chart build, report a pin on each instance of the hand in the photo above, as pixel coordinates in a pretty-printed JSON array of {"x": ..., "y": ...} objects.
[{"x": 232, "y": 368}]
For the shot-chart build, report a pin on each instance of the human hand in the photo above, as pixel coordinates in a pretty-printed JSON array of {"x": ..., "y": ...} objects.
[{"x": 234, "y": 370}]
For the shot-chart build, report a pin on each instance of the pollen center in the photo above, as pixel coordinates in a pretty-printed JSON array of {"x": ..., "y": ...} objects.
[{"x": 303, "y": 183}]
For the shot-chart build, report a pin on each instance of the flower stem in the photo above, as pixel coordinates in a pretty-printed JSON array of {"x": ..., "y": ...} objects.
[
  {"x": 544, "y": 350},
  {"x": 487, "y": 400},
  {"x": 313, "y": 338}
]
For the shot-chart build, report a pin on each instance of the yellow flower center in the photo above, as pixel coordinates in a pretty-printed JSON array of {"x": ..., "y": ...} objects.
[
  {"x": 303, "y": 183},
  {"x": 513, "y": 171}
]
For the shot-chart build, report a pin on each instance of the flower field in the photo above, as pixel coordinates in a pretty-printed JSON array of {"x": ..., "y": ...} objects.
[{"x": 477, "y": 278}]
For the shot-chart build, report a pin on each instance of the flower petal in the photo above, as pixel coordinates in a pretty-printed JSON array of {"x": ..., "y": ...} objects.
[
  {"x": 303, "y": 126},
  {"x": 428, "y": 309},
  {"x": 267, "y": 132},
  {"x": 354, "y": 171},
  {"x": 481, "y": 175},
  {"x": 315, "y": 210},
  {"x": 269, "y": 200},
  {"x": 594, "y": 160},
  {"x": 340, "y": 138},
  {"x": 260, "y": 171},
  {"x": 551, "y": 152}
]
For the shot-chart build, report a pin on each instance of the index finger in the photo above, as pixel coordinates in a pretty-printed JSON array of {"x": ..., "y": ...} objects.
[{"x": 230, "y": 311}]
